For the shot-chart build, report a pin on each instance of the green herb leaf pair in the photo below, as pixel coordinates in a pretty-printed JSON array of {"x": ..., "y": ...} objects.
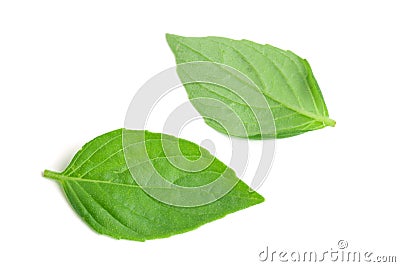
[{"x": 112, "y": 181}]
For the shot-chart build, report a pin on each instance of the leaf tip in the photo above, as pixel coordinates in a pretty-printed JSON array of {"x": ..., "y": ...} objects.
[
  {"x": 170, "y": 37},
  {"x": 173, "y": 41},
  {"x": 260, "y": 198},
  {"x": 257, "y": 197}
]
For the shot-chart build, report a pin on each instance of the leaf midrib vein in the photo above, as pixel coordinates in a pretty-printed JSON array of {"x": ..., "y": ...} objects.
[{"x": 60, "y": 177}]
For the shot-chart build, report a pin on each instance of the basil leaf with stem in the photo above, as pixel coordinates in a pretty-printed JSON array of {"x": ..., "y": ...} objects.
[
  {"x": 285, "y": 79},
  {"x": 100, "y": 188}
]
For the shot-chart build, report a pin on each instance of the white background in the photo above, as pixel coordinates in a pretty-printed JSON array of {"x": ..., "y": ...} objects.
[{"x": 69, "y": 69}]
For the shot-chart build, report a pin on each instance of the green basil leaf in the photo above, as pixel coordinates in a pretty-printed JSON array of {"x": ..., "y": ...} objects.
[
  {"x": 284, "y": 79},
  {"x": 99, "y": 186}
]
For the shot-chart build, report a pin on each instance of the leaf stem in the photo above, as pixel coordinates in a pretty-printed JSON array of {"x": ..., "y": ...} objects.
[
  {"x": 329, "y": 122},
  {"x": 52, "y": 175}
]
